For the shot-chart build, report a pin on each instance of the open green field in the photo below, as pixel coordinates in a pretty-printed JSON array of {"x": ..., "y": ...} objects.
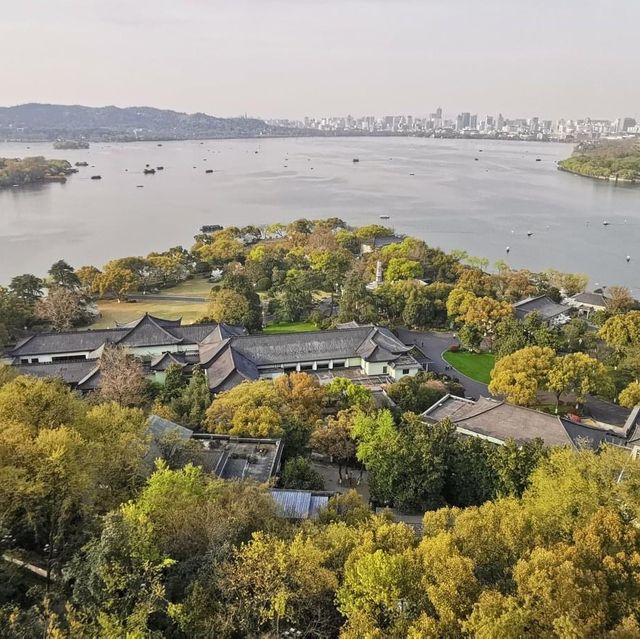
[
  {"x": 113, "y": 313},
  {"x": 474, "y": 365},
  {"x": 196, "y": 287},
  {"x": 290, "y": 327}
]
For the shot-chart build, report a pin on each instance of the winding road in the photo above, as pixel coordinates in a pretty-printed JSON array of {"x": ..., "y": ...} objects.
[{"x": 433, "y": 345}]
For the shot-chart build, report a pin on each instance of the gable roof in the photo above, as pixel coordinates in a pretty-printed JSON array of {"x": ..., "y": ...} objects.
[
  {"x": 145, "y": 331},
  {"x": 591, "y": 299},
  {"x": 498, "y": 421}
]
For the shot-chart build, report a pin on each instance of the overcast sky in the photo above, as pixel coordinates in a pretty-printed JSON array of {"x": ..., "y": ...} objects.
[{"x": 290, "y": 58}]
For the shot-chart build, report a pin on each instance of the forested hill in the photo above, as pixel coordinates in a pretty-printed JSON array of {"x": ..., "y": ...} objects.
[
  {"x": 616, "y": 160},
  {"x": 32, "y": 122}
]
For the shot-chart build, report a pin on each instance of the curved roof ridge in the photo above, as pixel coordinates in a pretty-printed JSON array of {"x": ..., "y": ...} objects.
[{"x": 146, "y": 318}]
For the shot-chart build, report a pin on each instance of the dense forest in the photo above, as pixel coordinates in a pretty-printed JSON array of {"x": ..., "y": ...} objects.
[
  {"x": 516, "y": 542},
  {"x": 32, "y": 170},
  {"x": 609, "y": 159}
]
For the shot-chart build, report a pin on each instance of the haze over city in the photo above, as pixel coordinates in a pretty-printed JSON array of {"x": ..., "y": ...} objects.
[{"x": 288, "y": 59}]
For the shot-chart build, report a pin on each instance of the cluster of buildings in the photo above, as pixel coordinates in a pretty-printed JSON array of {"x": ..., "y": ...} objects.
[
  {"x": 370, "y": 354},
  {"x": 468, "y": 124}
]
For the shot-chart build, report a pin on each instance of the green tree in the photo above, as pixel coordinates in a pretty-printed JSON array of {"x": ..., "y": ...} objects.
[
  {"x": 174, "y": 384},
  {"x": 400, "y": 268},
  {"x": 299, "y": 474},
  {"x": 296, "y": 296},
  {"x": 62, "y": 274},
  {"x": 194, "y": 401},
  {"x": 229, "y": 307},
  {"x": 27, "y": 287},
  {"x": 116, "y": 280},
  {"x": 333, "y": 438},
  {"x": 416, "y": 393}
]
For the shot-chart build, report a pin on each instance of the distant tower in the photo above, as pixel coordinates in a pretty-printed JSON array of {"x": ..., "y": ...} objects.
[{"x": 378, "y": 273}]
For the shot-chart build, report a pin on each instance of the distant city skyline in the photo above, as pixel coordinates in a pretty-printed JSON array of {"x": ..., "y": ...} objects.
[{"x": 291, "y": 58}]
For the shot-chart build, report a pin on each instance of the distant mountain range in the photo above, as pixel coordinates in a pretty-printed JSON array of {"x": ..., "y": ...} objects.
[{"x": 45, "y": 122}]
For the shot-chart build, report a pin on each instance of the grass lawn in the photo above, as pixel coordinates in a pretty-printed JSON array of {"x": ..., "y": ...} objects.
[
  {"x": 290, "y": 327},
  {"x": 197, "y": 287},
  {"x": 474, "y": 365},
  {"x": 113, "y": 313}
]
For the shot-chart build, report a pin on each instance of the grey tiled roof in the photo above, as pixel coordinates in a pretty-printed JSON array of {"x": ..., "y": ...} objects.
[
  {"x": 244, "y": 354},
  {"x": 501, "y": 421},
  {"x": 265, "y": 350},
  {"x": 145, "y": 331},
  {"x": 543, "y": 305},
  {"x": 71, "y": 373},
  {"x": 592, "y": 299},
  {"x": 67, "y": 342},
  {"x": 226, "y": 362},
  {"x": 149, "y": 332}
]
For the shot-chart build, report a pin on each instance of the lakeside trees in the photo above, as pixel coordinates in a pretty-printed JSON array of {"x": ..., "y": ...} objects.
[
  {"x": 30, "y": 170},
  {"x": 608, "y": 159}
]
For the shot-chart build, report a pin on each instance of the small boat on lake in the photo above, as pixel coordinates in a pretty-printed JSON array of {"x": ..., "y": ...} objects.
[
  {"x": 82, "y": 164},
  {"x": 209, "y": 171},
  {"x": 149, "y": 171},
  {"x": 385, "y": 217},
  {"x": 96, "y": 177},
  {"x": 356, "y": 160},
  {"x": 159, "y": 168}
]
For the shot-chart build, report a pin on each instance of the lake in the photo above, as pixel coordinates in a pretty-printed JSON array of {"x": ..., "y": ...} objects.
[{"x": 433, "y": 189}]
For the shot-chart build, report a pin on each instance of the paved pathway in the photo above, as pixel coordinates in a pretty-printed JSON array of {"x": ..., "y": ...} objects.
[
  {"x": 433, "y": 345},
  {"x": 154, "y": 297}
]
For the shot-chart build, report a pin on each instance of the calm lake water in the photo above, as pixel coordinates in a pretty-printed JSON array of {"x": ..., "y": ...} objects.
[{"x": 434, "y": 189}]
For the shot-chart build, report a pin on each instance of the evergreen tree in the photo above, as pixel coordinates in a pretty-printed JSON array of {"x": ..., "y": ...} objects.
[
  {"x": 174, "y": 384},
  {"x": 192, "y": 404}
]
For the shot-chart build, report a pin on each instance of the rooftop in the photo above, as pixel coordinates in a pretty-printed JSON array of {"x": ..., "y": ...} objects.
[
  {"x": 241, "y": 458},
  {"x": 545, "y": 307},
  {"x": 240, "y": 357},
  {"x": 498, "y": 421},
  {"x": 145, "y": 331},
  {"x": 590, "y": 299},
  {"x": 300, "y": 504}
]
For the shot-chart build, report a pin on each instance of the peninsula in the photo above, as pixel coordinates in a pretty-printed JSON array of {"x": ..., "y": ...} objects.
[{"x": 614, "y": 160}]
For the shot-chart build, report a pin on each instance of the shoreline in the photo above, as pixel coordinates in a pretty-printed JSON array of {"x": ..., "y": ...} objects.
[
  {"x": 302, "y": 135},
  {"x": 613, "y": 179}
]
